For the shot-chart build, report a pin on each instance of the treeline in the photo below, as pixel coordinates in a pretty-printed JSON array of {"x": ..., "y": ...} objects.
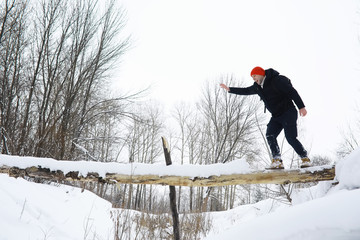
[
  {"x": 56, "y": 57},
  {"x": 219, "y": 128}
]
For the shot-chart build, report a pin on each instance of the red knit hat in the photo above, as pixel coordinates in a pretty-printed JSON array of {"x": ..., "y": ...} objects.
[{"x": 257, "y": 71}]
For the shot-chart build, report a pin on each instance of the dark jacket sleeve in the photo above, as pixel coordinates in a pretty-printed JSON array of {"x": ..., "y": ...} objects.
[
  {"x": 285, "y": 86},
  {"x": 244, "y": 91}
]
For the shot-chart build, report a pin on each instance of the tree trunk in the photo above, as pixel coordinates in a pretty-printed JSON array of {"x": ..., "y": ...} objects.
[{"x": 172, "y": 194}]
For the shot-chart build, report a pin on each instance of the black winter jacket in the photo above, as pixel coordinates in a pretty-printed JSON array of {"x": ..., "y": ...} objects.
[{"x": 277, "y": 93}]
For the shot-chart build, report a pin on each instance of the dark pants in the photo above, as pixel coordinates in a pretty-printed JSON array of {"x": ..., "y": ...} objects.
[{"x": 286, "y": 121}]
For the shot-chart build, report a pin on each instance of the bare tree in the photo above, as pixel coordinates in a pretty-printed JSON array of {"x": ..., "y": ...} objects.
[
  {"x": 351, "y": 138},
  {"x": 221, "y": 130},
  {"x": 54, "y": 76},
  {"x": 143, "y": 147},
  {"x": 229, "y": 122},
  {"x": 13, "y": 16}
]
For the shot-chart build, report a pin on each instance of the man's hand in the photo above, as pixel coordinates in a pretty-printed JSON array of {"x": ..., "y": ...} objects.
[
  {"x": 224, "y": 87},
  {"x": 302, "y": 112}
]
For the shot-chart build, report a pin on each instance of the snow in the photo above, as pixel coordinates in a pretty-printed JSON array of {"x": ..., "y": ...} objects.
[
  {"x": 36, "y": 211},
  {"x": 336, "y": 216},
  {"x": 319, "y": 212},
  {"x": 239, "y": 166},
  {"x": 84, "y": 167},
  {"x": 348, "y": 171}
]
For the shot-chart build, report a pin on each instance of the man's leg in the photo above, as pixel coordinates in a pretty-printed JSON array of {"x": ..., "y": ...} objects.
[
  {"x": 290, "y": 130},
  {"x": 272, "y": 132}
]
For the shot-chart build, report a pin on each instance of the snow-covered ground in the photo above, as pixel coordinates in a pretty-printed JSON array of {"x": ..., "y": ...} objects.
[
  {"x": 319, "y": 212},
  {"x": 37, "y": 211},
  {"x": 333, "y": 216}
]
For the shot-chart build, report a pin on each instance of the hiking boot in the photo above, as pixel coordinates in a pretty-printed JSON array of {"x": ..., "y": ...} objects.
[
  {"x": 276, "y": 163},
  {"x": 305, "y": 162}
]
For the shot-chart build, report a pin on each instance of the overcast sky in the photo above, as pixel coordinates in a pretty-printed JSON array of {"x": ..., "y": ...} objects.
[{"x": 179, "y": 45}]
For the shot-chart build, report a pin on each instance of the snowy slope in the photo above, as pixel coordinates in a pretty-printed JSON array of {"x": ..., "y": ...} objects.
[
  {"x": 335, "y": 216},
  {"x": 333, "y": 212},
  {"x": 37, "y": 211}
]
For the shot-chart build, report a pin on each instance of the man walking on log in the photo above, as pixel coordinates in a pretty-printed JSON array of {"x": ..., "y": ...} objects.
[{"x": 278, "y": 95}]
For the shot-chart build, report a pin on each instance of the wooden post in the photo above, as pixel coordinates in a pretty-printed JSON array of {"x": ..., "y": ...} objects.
[{"x": 172, "y": 194}]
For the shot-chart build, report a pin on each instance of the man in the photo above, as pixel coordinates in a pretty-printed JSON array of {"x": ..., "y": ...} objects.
[{"x": 278, "y": 95}]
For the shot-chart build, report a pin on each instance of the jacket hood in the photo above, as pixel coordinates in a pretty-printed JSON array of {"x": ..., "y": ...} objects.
[{"x": 271, "y": 73}]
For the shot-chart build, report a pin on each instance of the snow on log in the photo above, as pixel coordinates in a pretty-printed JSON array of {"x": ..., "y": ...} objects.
[
  {"x": 233, "y": 173},
  {"x": 255, "y": 177}
]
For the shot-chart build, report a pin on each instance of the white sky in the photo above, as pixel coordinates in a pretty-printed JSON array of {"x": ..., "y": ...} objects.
[{"x": 179, "y": 45}]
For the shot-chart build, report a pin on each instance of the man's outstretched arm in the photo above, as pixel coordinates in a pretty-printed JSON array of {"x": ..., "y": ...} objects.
[{"x": 240, "y": 91}]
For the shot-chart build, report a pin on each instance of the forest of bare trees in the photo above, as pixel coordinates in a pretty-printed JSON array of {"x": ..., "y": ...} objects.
[{"x": 56, "y": 58}]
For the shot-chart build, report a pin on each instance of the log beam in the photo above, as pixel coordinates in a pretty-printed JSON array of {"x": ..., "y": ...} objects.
[{"x": 312, "y": 174}]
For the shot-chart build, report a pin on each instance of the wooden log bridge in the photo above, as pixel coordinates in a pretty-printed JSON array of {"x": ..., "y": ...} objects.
[{"x": 312, "y": 174}]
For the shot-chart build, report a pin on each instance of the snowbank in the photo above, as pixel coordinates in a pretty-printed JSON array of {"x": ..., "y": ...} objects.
[
  {"x": 347, "y": 171},
  {"x": 319, "y": 212},
  {"x": 332, "y": 217},
  {"x": 38, "y": 211}
]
